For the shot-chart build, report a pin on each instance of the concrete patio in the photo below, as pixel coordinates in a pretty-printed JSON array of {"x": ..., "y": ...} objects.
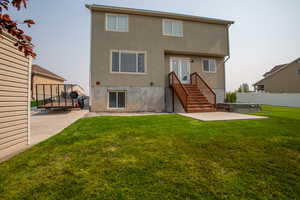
[{"x": 220, "y": 116}]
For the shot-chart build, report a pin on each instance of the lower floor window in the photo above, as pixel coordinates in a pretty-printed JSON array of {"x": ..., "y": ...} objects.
[
  {"x": 260, "y": 87},
  {"x": 117, "y": 99},
  {"x": 209, "y": 65}
]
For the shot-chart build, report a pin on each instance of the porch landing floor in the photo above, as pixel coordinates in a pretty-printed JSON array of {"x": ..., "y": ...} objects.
[{"x": 220, "y": 116}]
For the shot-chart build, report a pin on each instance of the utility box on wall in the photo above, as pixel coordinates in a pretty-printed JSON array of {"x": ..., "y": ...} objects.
[{"x": 15, "y": 75}]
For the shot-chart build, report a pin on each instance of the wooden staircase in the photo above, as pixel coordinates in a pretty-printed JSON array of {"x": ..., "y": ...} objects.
[
  {"x": 196, "y": 101},
  {"x": 194, "y": 97}
]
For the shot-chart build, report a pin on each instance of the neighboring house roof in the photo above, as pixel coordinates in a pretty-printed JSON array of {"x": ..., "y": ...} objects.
[
  {"x": 36, "y": 69},
  {"x": 276, "y": 69},
  {"x": 133, "y": 11}
]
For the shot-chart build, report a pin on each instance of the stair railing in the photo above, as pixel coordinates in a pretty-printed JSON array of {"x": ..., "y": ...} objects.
[
  {"x": 209, "y": 94},
  {"x": 179, "y": 89}
]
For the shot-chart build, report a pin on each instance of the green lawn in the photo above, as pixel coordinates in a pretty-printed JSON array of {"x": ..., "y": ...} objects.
[{"x": 162, "y": 157}]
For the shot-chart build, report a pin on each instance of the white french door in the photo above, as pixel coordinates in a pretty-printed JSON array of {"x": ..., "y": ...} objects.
[{"x": 181, "y": 66}]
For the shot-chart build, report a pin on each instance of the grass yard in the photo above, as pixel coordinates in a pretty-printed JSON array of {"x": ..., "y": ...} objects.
[{"x": 162, "y": 157}]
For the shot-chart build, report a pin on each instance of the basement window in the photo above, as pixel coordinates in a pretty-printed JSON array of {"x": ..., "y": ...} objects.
[
  {"x": 116, "y": 99},
  {"x": 260, "y": 87}
]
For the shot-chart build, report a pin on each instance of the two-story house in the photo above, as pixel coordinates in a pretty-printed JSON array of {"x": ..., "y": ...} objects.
[
  {"x": 144, "y": 60},
  {"x": 281, "y": 79}
]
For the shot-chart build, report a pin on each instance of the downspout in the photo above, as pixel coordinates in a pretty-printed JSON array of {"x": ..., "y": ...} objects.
[
  {"x": 228, "y": 44},
  {"x": 228, "y": 57}
]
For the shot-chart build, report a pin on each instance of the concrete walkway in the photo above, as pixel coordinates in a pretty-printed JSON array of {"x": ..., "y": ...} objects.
[
  {"x": 220, "y": 116},
  {"x": 44, "y": 125}
]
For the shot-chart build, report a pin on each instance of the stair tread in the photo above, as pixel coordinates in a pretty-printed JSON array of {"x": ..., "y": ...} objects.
[{"x": 196, "y": 101}]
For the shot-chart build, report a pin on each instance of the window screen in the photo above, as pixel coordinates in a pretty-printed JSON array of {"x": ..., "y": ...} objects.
[
  {"x": 128, "y": 62},
  {"x": 112, "y": 99},
  {"x": 115, "y": 61},
  {"x": 168, "y": 27},
  {"x": 172, "y": 27},
  {"x": 121, "y": 99},
  {"x": 206, "y": 65},
  {"x": 111, "y": 22},
  {"x": 116, "y": 22},
  {"x": 141, "y": 62},
  {"x": 117, "y": 99}
]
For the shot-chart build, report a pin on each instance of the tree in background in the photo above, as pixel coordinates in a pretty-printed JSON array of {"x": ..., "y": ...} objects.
[
  {"x": 8, "y": 25},
  {"x": 244, "y": 88}
]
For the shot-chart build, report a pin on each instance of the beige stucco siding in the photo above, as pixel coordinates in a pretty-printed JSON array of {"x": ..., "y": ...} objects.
[
  {"x": 214, "y": 80},
  {"x": 145, "y": 34},
  {"x": 286, "y": 80},
  {"x": 14, "y": 82}
]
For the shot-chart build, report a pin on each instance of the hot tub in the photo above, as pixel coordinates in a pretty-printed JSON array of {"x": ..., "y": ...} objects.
[{"x": 239, "y": 107}]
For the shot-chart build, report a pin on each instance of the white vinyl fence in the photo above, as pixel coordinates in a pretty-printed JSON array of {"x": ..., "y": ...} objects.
[{"x": 276, "y": 99}]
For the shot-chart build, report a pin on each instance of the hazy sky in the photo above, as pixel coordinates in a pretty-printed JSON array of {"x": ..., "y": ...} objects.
[{"x": 265, "y": 33}]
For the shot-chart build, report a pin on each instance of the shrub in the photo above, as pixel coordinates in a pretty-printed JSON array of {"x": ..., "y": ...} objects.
[{"x": 230, "y": 97}]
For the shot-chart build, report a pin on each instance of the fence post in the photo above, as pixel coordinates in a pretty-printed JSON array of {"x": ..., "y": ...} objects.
[
  {"x": 44, "y": 95},
  {"x": 58, "y": 95},
  {"x": 36, "y": 96}
]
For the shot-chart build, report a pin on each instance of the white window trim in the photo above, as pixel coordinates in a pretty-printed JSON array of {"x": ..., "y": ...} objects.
[
  {"x": 112, "y": 14},
  {"x": 128, "y": 51},
  {"x": 111, "y": 108},
  {"x": 203, "y": 59},
  {"x": 171, "y": 20}
]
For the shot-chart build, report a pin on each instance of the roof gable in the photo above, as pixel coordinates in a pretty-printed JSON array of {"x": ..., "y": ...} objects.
[
  {"x": 153, "y": 13},
  {"x": 36, "y": 69},
  {"x": 276, "y": 69}
]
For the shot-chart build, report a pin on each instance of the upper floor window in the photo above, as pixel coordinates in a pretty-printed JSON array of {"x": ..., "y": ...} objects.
[
  {"x": 116, "y": 22},
  {"x": 128, "y": 61},
  {"x": 172, "y": 28},
  {"x": 298, "y": 71},
  {"x": 209, "y": 65}
]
